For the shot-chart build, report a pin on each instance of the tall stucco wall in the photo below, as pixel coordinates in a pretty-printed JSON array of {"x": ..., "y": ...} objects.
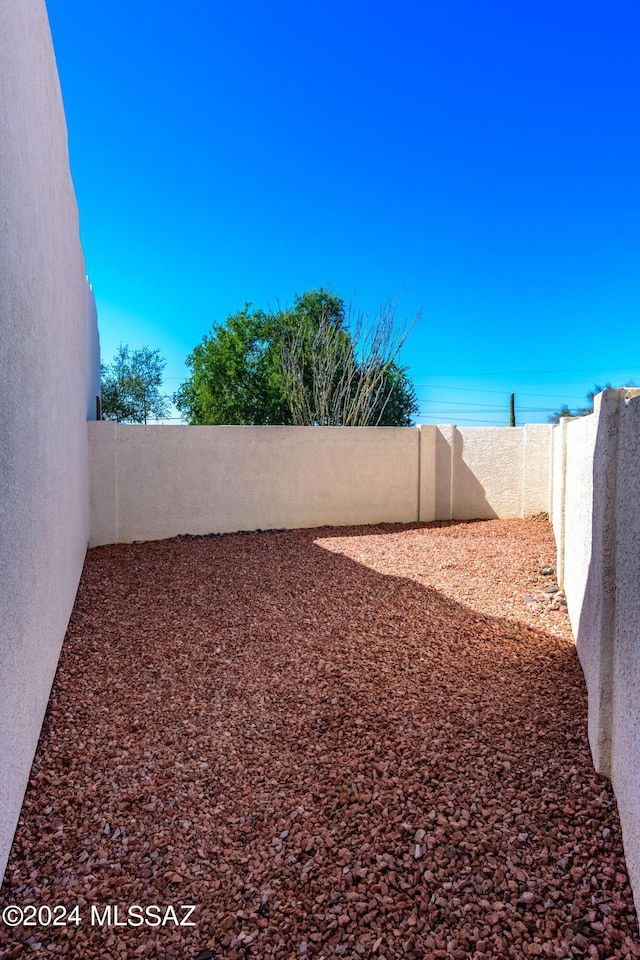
[
  {"x": 47, "y": 334},
  {"x": 153, "y": 482},
  {"x": 625, "y": 720},
  {"x": 537, "y": 454},
  {"x": 93, "y": 355},
  {"x": 579, "y": 558},
  {"x": 559, "y": 491},
  {"x": 600, "y": 541}
]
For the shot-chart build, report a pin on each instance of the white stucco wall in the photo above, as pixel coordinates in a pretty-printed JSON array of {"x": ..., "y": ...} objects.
[
  {"x": 443, "y": 469},
  {"x": 154, "y": 482},
  {"x": 597, "y": 525},
  {"x": 47, "y": 335},
  {"x": 558, "y": 492},
  {"x": 625, "y": 749},
  {"x": 537, "y": 454},
  {"x": 93, "y": 354},
  {"x": 484, "y": 472},
  {"x": 587, "y": 540},
  {"x": 151, "y": 482}
]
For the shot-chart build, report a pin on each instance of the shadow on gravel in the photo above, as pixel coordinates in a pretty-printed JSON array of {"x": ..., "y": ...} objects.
[{"x": 325, "y": 760}]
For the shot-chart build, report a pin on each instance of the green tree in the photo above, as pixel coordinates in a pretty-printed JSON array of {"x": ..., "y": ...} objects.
[
  {"x": 235, "y": 376},
  {"x": 339, "y": 367},
  {"x": 130, "y": 386},
  {"x": 564, "y": 410},
  {"x": 302, "y": 365},
  {"x": 397, "y": 404}
]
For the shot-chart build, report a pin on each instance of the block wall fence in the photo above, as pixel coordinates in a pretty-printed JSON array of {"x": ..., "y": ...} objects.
[
  {"x": 147, "y": 483},
  {"x": 67, "y": 485},
  {"x": 596, "y": 519},
  {"x": 49, "y": 378}
]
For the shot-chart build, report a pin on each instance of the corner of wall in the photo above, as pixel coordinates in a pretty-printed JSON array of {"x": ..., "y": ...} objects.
[
  {"x": 102, "y": 438},
  {"x": 427, "y": 473},
  {"x": 589, "y": 558},
  {"x": 559, "y": 492},
  {"x": 536, "y": 468},
  {"x": 444, "y": 453}
]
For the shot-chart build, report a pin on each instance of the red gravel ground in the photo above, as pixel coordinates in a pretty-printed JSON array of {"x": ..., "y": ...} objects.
[{"x": 354, "y": 742}]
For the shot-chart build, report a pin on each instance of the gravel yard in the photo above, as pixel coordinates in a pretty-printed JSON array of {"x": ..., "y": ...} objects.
[{"x": 341, "y": 742}]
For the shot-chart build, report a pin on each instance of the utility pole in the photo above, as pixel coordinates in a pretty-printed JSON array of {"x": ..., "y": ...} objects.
[{"x": 512, "y": 410}]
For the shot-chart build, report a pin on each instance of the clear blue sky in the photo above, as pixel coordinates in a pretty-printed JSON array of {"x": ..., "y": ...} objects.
[{"x": 482, "y": 160}]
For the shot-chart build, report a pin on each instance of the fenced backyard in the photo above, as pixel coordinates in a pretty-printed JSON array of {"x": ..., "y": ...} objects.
[
  {"x": 353, "y": 741},
  {"x": 349, "y": 742}
]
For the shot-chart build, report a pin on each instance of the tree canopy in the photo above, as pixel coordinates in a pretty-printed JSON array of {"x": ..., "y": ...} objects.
[
  {"x": 130, "y": 386},
  {"x": 314, "y": 363},
  {"x": 564, "y": 410}
]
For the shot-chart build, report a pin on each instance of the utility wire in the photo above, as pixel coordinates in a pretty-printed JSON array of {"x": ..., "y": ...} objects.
[
  {"x": 483, "y": 406},
  {"x": 499, "y": 393},
  {"x": 497, "y": 423},
  {"x": 534, "y": 373}
]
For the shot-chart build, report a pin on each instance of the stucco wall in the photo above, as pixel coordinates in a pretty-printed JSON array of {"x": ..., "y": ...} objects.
[
  {"x": 153, "y": 482},
  {"x": 583, "y": 574},
  {"x": 47, "y": 335},
  {"x": 597, "y": 524},
  {"x": 484, "y": 472},
  {"x": 625, "y": 720},
  {"x": 558, "y": 492}
]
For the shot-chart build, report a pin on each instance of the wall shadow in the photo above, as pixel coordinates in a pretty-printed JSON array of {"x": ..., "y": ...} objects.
[{"x": 458, "y": 492}]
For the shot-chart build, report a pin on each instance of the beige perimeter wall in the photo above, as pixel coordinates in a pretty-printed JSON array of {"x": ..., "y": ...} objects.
[
  {"x": 149, "y": 482},
  {"x": 48, "y": 379},
  {"x": 596, "y": 516}
]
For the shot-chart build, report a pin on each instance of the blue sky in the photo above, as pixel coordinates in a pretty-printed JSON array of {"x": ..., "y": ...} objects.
[{"x": 480, "y": 161}]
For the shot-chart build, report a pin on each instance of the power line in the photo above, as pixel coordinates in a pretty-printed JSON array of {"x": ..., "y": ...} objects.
[
  {"x": 497, "y": 423},
  {"x": 461, "y": 403},
  {"x": 535, "y": 373},
  {"x": 482, "y": 406},
  {"x": 499, "y": 393}
]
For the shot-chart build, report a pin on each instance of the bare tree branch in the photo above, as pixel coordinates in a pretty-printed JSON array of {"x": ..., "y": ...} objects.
[{"x": 339, "y": 375}]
